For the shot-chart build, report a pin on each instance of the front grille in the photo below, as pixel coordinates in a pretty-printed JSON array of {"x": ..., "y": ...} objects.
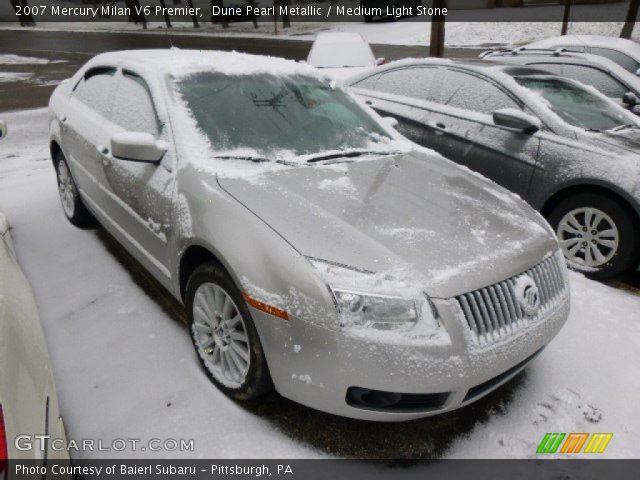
[{"x": 494, "y": 312}]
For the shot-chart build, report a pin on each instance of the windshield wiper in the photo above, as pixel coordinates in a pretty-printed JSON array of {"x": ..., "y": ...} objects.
[
  {"x": 243, "y": 157},
  {"x": 348, "y": 154},
  {"x": 624, "y": 127}
]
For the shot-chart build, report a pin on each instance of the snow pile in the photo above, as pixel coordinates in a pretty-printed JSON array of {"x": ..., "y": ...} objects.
[{"x": 10, "y": 59}]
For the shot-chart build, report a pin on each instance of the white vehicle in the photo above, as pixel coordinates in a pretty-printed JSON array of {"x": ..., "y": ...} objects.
[
  {"x": 28, "y": 400},
  {"x": 342, "y": 54},
  {"x": 625, "y": 53}
]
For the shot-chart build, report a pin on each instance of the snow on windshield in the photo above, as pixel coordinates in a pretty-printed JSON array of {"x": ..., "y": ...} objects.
[{"x": 266, "y": 117}]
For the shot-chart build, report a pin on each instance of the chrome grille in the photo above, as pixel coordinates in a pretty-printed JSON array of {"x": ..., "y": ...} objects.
[{"x": 493, "y": 312}]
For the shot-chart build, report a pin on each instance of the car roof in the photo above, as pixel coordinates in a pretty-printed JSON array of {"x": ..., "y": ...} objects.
[
  {"x": 180, "y": 62},
  {"x": 481, "y": 66},
  {"x": 333, "y": 37},
  {"x": 630, "y": 47},
  {"x": 553, "y": 56}
]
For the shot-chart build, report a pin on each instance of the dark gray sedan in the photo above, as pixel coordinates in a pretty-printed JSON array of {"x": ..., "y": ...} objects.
[{"x": 566, "y": 149}]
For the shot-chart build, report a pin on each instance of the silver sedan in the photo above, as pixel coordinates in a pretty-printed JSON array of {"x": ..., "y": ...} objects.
[{"x": 316, "y": 250}]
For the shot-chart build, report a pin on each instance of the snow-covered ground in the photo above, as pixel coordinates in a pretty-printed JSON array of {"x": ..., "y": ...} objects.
[{"x": 125, "y": 368}]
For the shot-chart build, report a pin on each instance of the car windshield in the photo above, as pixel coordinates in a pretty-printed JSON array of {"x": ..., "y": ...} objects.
[
  {"x": 279, "y": 117},
  {"x": 576, "y": 105}
]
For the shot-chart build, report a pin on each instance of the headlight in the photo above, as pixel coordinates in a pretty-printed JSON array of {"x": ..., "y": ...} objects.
[{"x": 370, "y": 300}]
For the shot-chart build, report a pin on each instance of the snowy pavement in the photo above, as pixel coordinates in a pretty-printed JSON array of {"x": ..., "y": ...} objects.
[{"x": 124, "y": 364}]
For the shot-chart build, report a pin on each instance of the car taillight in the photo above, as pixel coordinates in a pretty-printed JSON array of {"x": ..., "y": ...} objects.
[{"x": 4, "y": 454}]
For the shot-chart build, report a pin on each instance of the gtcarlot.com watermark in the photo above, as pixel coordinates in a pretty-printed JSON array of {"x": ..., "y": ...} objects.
[{"x": 44, "y": 442}]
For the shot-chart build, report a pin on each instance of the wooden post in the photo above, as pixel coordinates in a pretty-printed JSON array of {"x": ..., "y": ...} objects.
[
  {"x": 630, "y": 21},
  {"x": 436, "y": 42},
  {"x": 565, "y": 17}
]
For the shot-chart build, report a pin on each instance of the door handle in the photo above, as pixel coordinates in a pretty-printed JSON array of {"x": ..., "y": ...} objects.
[
  {"x": 441, "y": 126},
  {"x": 104, "y": 152},
  {"x": 368, "y": 102}
]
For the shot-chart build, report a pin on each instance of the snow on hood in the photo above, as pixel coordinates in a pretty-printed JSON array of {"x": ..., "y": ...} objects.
[{"x": 416, "y": 216}]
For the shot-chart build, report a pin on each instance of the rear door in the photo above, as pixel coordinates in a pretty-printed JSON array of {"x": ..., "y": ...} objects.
[
  {"x": 467, "y": 134},
  {"x": 140, "y": 193}
]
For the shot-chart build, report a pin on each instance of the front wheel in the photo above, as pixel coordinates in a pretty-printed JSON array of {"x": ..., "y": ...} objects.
[
  {"x": 599, "y": 235},
  {"x": 224, "y": 335}
]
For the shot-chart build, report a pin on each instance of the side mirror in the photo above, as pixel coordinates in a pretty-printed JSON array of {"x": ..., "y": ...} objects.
[
  {"x": 390, "y": 122},
  {"x": 516, "y": 120},
  {"x": 3, "y": 129},
  {"x": 630, "y": 99},
  {"x": 380, "y": 61},
  {"x": 138, "y": 147}
]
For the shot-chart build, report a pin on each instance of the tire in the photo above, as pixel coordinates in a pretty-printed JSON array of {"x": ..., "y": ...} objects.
[
  {"x": 210, "y": 345},
  {"x": 72, "y": 205},
  {"x": 614, "y": 232}
]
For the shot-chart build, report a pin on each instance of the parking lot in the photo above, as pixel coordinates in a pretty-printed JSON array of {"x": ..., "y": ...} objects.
[{"x": 125, "y": 367}]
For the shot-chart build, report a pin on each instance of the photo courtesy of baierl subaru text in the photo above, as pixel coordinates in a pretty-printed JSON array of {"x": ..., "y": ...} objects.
[{"x": 319, "y": 239}]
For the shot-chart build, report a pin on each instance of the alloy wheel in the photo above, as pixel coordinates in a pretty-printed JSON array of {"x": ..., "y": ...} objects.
[
  {"x": 589, "y": 238},
  {"x": 66, "y": 189},
  {"x": 220, "y": 335}
]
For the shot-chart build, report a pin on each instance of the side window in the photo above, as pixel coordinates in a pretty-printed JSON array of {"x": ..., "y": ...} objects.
[
  {"x": 555, "y": 68},
  {"x": 369, "y": 82},
  {"x": 625, "y": 61},
  {"x": 598, "y": 79},
  {"x": 470, "y": 92},
  {"x": 96, "y": 88},
  {"x": 410, "y": 82},
  {"x": 133, "y": 107}
]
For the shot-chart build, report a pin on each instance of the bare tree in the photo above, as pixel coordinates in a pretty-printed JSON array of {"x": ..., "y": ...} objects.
[
  {"x": 167, "y": 20},
  {"x": 194, "y": 18},
  {"x": 136, "y": 14},
  {"x": 630, "y": 21},
  {"x": 25, "y": 20}
]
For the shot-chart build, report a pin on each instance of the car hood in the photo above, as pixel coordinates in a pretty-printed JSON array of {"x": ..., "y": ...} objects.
[
  {"x": 413, "y": 215},
  {"x": 622, "y": 142}
]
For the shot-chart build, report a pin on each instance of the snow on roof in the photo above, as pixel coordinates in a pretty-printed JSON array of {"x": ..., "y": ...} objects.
[
  {"x": 181, "y": 62},
  {"x": 622, "y": 44},
  {"x": 333, "y": 37}
]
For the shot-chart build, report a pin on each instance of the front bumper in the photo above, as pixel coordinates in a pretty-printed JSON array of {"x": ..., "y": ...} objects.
[{"x": 318, "y": 367}]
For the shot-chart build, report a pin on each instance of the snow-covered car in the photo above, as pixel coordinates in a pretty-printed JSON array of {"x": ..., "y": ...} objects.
[
  {"x": 315, "y": 249},
  {"x": 29, "y": 410},
  {"x": 342, "y": 54},
  {"x": 565, "y": 148},
  {"x": 599, "y": 72},
  {"x": 625, "y": 53}
]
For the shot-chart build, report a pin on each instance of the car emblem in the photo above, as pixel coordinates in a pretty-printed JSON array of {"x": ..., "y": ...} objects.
[{"x": 527, "y": 295}]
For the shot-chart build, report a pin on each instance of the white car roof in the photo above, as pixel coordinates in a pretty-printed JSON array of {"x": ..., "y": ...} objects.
[
  {"x": 179, "y": 62},
  {"x": 629, "y": 47}
]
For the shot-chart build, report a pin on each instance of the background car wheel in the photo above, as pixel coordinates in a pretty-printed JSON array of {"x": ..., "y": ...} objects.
[
  {"x": 599, "y": 235},
  {"x": 72, "y": 205},
  {"x": 224, "y": 335}
]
